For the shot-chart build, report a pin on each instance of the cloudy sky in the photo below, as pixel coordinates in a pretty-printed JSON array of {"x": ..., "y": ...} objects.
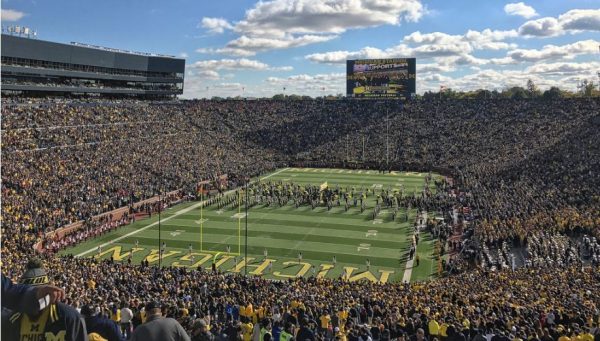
[{"x": 250, "y": 48}]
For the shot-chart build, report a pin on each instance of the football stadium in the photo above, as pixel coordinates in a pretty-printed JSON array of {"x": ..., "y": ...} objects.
[{"x": 445, "y": 187}]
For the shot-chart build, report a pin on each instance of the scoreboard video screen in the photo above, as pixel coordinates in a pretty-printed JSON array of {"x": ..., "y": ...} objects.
[{"x": 381, "y": 78}]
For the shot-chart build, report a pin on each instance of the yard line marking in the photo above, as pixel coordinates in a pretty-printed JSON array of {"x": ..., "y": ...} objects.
[
  {"x": 238, "y": 216},
  {"x": 363, "y": 246},
  {"x": 371, "y": 233},
  {"x": 178, "y": 213}
]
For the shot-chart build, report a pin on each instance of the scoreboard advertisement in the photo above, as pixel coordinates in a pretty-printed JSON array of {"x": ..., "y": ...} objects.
[{"x": 393, "y": 78}]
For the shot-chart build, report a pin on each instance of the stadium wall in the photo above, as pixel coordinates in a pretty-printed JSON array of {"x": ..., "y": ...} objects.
[{"x": 118, "y": 213}]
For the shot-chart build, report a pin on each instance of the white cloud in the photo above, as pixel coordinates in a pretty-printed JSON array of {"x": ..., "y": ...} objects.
[
  {"x": 461, "y": 60},
  {"x": 484, "y": 40},
  {"x": 226, "y": 51},
  {"x": 565, "y": 68},
  {"x": 255, "y": 44},
  {"x": 230, "y": 64},
  {"x": 282, "y": 68},
  {"x": 229, "y": 86},
  {"x": 311, "y": 85},
  {"x": 197, "y": 87},
  {"x": 282, "y": 24},
  {"x": 572, "y": 21},
  {"x": 194, "y": 86},
  {"x": 502, "y": 61},
  {"x": 433, "y": 67},
  {"x": 437, "y": 41},
  {"x": 544, "y": 27},
  {"x": 490, "y": 39},
  {"x": 520, "y": 9},
  {"x": 246, "y": 46},
  {"x": 581, "y": 19},
  {"x": 335, "y": 57},
  {"x": 568, "y": 51},
  {"x": 444, "y": 50},
  {"x": 428, "y": 45},
  {"x": 442, "y": 53},
  {"x": 273, "y": 18},
  {"x": 183, "y": 55},
  {"x": 305, "y": 77},
  {"x": 236, "y": 64},
  {"x": 208, "y": 74},
  {"x": 216, "y": 25},
  {"x": 398, "y": 51},
  {"x": 436, "y": 77},
  {"x": 11, "y": 15},
  {"x": 562, "y": 75}
]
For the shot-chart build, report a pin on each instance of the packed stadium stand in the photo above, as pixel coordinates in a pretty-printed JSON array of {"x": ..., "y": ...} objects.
[{"x": 525, "y": 176}]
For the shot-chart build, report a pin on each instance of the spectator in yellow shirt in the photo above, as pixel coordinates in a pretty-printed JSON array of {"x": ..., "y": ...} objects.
[
  {"x": 443, "y": 328},
  {"x": 434, "y": 328},
  {"x": 247, "y": 331},
  {"x": 587, "y": 336},
  {"x": 325, "y": 320},
  {"x": 563, "y": 336},
  {"x": 249, "y": 310}
]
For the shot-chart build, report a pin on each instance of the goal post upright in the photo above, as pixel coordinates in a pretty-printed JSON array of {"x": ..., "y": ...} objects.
[{"x": 239, "y": 229}]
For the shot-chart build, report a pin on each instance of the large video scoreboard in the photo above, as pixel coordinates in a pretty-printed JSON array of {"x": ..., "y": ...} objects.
[{"x": 381, "y": 78}]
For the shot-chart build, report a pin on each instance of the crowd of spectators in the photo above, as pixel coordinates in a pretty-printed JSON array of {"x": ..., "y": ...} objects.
[
  {"x": 525, "y": 171},
  {"x": 526, "y": 304}
]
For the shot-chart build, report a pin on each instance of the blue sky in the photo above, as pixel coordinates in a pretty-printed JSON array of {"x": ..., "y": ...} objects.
[{"x": 252, "y": 48}]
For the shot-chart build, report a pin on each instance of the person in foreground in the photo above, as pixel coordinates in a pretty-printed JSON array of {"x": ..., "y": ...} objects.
[
  {"x": 56, "y": 321},
  {"x": 159, "y": 328}
]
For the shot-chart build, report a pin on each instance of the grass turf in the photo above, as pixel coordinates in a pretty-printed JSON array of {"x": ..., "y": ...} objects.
[{"x": 319, "y": 234}]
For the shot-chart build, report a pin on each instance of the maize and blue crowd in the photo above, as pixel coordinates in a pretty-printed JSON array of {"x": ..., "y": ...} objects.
[{"x": 527, "y": 170}]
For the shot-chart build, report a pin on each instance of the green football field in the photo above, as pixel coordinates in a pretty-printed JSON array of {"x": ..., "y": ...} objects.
[{"x": 284, "y": 232}]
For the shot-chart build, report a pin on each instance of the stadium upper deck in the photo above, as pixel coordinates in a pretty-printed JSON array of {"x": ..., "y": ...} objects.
[{"x": 37, "y": 67}]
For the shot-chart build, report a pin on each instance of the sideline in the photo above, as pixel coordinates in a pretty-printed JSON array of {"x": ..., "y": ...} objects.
[
  {"x": 409, "y": 263},
  {"x": 178, "y": 213}
]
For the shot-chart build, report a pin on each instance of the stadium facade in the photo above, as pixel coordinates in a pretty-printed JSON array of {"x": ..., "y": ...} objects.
[{"x": 41, "y": 68}]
